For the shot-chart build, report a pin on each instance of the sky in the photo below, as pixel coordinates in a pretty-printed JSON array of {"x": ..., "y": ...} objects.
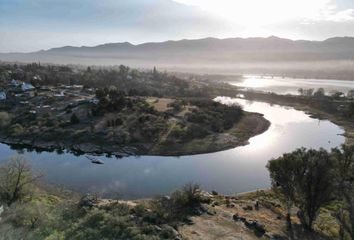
[{"x": 31, "y": 25}]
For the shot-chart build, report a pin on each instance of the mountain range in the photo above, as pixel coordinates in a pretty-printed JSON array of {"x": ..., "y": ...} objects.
[{"x": 210, "y": 53}]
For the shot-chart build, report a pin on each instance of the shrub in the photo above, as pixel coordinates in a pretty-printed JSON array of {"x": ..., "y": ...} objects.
[
  {"x": 5, "y": 119},
  {"x": 74, "y": 119},
  {"x": 16, "y": 129}
]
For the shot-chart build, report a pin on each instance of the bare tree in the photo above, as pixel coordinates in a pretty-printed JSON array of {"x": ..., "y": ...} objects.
[{"x": 16, "y": 177}]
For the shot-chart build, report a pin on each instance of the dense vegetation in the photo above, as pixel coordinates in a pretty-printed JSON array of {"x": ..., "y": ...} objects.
[
  {"x": 312, "y": 180},
  {"x": 131, "y": 81},
  {"x": 337, "y": 104},
  {"x": 103, "y": 110}
]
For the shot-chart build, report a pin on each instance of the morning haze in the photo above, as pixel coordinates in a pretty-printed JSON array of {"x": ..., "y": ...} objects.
[{"x": 177, "y": 119}]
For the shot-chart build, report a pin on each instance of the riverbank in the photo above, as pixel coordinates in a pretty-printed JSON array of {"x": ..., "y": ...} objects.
[
  {"x": 250, "y": 125},
  {"x": 303, "y": 104}
]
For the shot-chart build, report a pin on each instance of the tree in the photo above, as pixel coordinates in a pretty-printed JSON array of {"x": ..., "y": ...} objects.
[
  {"x": 314, "y": 184},
  {"x": 337, "y": 94},
  {"x": 344, "y": 166},
  {"x": 123, "y": 71},
  {"x": 282, "y": 174},
  {"x": 306, "y": 179},
  {"x": 16, "y": 178},
  {"x": 309, "y": 92},
  {"x": 320, "y": 93},
  {"x": 350, "y": 94},
  {"x": 301, "y": 91}
]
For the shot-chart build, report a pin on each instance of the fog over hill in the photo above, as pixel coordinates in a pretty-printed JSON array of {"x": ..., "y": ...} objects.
[{"x": 332, "y": 58}]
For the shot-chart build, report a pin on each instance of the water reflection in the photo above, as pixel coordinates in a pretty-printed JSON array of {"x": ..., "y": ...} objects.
[
  {"x": 236, "y": 170},
  {"x": 291, "y": 85}
]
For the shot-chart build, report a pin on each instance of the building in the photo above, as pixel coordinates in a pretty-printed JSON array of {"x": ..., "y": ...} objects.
[{"x": 26, "y": 87}]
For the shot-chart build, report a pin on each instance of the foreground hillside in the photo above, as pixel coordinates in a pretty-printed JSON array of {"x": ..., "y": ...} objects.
[{"x": 184, "y": 215}]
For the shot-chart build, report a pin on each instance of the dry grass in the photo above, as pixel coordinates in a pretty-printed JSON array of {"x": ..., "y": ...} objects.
[{"x": 160, "y": 104}]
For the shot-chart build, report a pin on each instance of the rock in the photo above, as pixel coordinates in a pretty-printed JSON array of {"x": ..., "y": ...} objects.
[
  {"x": 231, "y": 205},
  {"x": 248, "y": 208},
  {"x": 249, "y": 223},
  {"x": 258, "y": 227},
  {"x": 215, "y": 193},
  {"x": 211, "y": 212},
  {"x": 170, "y": 231},
  {"x": 270, "y": 236},
  {"x": 236, "y": 217},
  {"x": 157, "y": 228},
  {"x": 88, "y": 201}
]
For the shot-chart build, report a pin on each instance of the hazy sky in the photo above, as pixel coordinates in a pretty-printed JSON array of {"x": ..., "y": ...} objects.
[{"x": 29, "y": 25}]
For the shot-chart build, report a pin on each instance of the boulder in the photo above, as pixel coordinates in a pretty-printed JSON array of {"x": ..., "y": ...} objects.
[
  {"x": 88, "y": 201},
  {"x": 248, "y": 208},
  {"x": 236, "y": 217}
]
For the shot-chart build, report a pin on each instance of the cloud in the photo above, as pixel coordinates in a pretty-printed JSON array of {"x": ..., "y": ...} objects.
[
  {"x": 260, "y": 12},
  {"x": 40, "y": 24}
]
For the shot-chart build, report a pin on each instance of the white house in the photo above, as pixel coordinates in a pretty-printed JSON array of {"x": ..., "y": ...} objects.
[
  {"x": 2, "y": 95},
  {"x": 26, "y": 87}
]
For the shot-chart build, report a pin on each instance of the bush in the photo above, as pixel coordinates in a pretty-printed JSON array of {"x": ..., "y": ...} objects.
[
  {"x": 214, "y": 116},
  {"x": 16, "y": 129},
  {"x": 74, "y": 119},
  {"x": 181, "y": 204},
  {"x": 5, "y": 119}
]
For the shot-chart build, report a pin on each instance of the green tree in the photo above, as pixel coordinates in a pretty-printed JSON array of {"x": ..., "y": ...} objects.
[
  {"x": 282, "y": 173},
  {"x": 344, "y": 160},
  {"x": 314, "y": 184},
  {"x": 306, "y": 179}
]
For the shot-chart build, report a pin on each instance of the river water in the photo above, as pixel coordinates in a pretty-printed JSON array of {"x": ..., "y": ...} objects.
[
  {"x": 288, "y": 85},
  {"x": 231, "y": 171}
]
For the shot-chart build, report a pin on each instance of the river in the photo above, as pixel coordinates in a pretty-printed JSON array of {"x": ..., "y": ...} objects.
[
  {"x": 288, "y": 85},
  {"x": 231, "y": 171}
]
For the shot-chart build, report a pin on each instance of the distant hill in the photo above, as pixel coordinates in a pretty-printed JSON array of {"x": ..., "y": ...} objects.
[{"x": 246, "y": 54}]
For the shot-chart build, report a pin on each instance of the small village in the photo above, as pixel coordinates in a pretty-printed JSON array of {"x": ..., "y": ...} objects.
[{"x": 44, "y": 100}]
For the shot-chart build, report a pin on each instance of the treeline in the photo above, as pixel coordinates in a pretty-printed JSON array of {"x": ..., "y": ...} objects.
[
  {"x": 311, "y": 180},
  {"x": 132, "y": 81},
  {"x": 338, "y": 106}
]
